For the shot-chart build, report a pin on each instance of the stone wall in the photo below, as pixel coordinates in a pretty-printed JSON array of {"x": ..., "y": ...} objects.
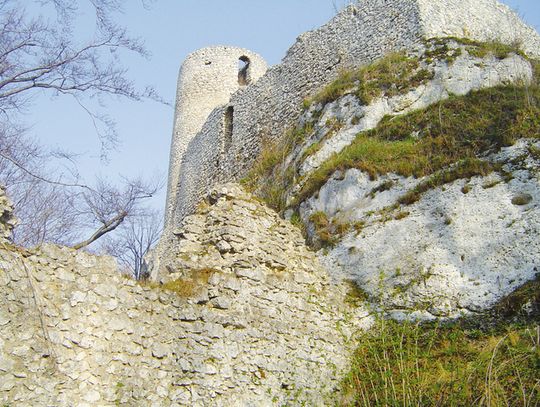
[
  {"x": 264, "y": 110},
  {"x": 252, "y": 321},
  {"x": 7, "y": 219},
  {"x": 207, "y": 79},
  {"x": 358, "y": 35}
]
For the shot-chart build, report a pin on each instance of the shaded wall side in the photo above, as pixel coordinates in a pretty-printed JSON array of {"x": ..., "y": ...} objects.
[{"x": 200, "y": 166}]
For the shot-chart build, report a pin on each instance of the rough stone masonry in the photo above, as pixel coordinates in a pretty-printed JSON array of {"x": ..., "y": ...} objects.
[{"x": 264, "y": 328}]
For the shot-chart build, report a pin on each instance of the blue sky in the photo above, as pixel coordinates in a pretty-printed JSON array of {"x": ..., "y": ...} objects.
[{"x": 171, "y": 29}]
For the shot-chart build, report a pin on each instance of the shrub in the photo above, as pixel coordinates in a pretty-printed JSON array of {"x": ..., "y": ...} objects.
[{"x": 327, "y": 232}]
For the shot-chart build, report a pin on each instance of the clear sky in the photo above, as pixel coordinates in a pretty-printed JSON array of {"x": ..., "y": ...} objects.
[{"x": 171, "y": 29}]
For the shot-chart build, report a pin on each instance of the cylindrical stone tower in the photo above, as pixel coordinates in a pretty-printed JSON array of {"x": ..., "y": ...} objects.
[{"x": 207, "y": 79}]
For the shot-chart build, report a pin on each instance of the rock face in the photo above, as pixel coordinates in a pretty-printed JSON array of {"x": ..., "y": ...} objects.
[
  {"x": 249, "y": 319},
  {"x": 463, "y": 245},
  {"x": 463, "y": 75},
  {"x": 460, "y": 248}
]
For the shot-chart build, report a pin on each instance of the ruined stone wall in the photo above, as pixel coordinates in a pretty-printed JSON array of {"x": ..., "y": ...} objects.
[
  {"x": 356, "y": 36},
  {"x": 264, "y": 110},
  {"x": 482, "y": 20},
  {"x": 265, "y": 327}
]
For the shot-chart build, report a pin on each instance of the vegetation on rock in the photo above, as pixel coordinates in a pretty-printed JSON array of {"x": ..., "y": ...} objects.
[
  {"x": 327, "y": 232},
  {"x": 392, "y": 75},
  {"x": 456, "y": 130},
  {"x": 270, "y": 175},
  {"x": 445, "y": 139},
  {"x": 188, "y": 286}
]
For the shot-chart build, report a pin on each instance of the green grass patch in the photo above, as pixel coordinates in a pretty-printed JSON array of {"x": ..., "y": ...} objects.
[
  {"x": 441, "y": 48},
  {"x": 466, "y": 168},
  {"x": 534, "y": 151},
  {"x": 455, "y": 130},
  {"x": 355, "y": 296},
  {"x": 296, "y": 220},
  {"x": 383, "y": 186},
  {"x": 408, "y": 364},
  {"x": 497, "y": 49},
  {"x": 513, "y": 306}
]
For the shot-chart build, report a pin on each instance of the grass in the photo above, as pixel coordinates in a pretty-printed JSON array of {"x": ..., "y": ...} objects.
[
  {"x": 422, "y": 143},
  {"x": 269, "y": 176},
  {"x": 466, "y": 168},
  {"x": 455, "y": 130},
  {"x": 408, "y": 364},
  {"x": 187, "y": 286},
  {"x": 394, "y": 74},
  {"x": 355, "y": 296},
  {"x": 526, "y": 296},
  {"x": 327, "y": 232},
  {"x": 383, "y": 186},
  {"x": 441, "y": 49}
]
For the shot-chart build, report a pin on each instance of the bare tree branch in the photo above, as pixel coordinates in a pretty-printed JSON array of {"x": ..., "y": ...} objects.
[
  {"x": 41, "y": 178},
  {"x": 137, "y": 236},
  {"x": 107, "y": 227},
  {"x": 38, "y": 53},
  {"x": 110, "y": 205}
]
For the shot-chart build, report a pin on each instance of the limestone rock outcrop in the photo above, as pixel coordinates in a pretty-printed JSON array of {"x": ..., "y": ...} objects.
[
  {"x": 457, "y": 251},
  {"x": 464, "y": 244}
]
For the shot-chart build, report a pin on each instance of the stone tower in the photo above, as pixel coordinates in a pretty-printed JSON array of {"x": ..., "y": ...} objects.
[{"x": 207, "y": 79}]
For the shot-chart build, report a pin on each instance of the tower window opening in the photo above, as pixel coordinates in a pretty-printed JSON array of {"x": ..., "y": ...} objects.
[
  {"x": 243, "y": 70},
  {"x": 228, "y": 127}
]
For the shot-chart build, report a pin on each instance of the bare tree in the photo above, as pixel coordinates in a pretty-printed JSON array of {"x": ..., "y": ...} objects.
[
  {"x": 109, "y": 205},
  {"x": 55, "y": 209},
  {"x": 37, "y": 54},
  {"x": 40, "y": 53},
  {"x": 137, "y": 236},
  {"x": 45, "y": 207}
]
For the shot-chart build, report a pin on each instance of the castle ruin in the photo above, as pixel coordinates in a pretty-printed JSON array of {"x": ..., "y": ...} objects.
[{"x": 224, "y": 114}]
